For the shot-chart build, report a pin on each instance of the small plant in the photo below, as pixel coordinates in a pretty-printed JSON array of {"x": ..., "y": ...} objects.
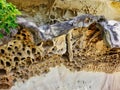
[{"x": 8, "y": 13}]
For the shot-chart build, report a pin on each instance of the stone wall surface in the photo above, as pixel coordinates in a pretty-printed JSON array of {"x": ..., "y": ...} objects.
[{"x": 81, "y": 49}]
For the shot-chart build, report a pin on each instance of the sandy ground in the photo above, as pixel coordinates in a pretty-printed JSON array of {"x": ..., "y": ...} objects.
[{"x": 60, "y": 78}]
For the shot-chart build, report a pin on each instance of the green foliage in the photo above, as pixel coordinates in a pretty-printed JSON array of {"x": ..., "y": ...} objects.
[{"x": 8, "y": 14}]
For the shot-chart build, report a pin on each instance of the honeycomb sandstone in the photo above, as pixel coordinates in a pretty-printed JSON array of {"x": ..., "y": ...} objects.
[
  {"x": 80, "y": 49},
  {"x": 21, "y": 59}
]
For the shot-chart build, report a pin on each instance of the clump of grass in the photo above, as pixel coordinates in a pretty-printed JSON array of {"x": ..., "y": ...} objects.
[{"x": 8, "y": 13}]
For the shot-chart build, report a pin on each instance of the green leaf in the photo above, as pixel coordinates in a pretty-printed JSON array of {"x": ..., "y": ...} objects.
[
  {"x": 1, "y": 36},
  {"x": 8, "y": 13},
  {"x": 7, "y": 30}
]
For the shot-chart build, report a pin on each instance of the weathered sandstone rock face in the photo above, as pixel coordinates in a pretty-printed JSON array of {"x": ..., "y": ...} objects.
[
  {"x": 68, "y": 8},
  {"x": 80, "y": 49}
]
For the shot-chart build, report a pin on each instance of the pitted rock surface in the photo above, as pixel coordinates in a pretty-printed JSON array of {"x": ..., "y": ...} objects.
[{"x": 80, "y": 49}]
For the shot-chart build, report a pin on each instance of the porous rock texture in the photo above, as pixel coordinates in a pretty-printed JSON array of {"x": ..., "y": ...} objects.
[
  {"x": 54, "y": 10},
  {"x": 80, "y": 49}
]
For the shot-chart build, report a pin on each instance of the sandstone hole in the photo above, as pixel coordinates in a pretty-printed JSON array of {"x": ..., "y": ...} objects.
[
  {"x": 37, "y": 59},
  {"x": 33, "y": 50},
  {"x": 18, "y": 72},
  {"x": 9, "y": 49},
  {"x": 52, "y": 17},
  {"x": 2, "y": 51},
  {"x": 7, "y": 79},
  {"x": 33, "y": 60},
  {"x": 19, "y": 53},
  {"x": 112, "y": 53},
  {"x": 39, "y": 44},
  {"x": 14, "y": 41},
  {"x": 54, "y": 49},
  {"x": 13, "y": 52},
  {"x": 28, "y": 45},
  {"x": 16, "y": 48},
  {"x": 16, "y": 63},
  {"x": 29, "y": 62},
  {"x": 8, "y": 64},
  {"x": 18, "y": 38},
  {"x": 23, "y": 35},
  {"x": 16, "y": 59},
  {"x": 24, "y": 45},
  {"x": 28, "y": 52},
  {"x": 55, "y": 21},
  {"x": 2, "y": 71},
  {"x": 23, "y": 49},
  {"x": 38, "y": 52},
  {"x": 1, "y": 61},
  {"x": 22, "y": 58}
]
